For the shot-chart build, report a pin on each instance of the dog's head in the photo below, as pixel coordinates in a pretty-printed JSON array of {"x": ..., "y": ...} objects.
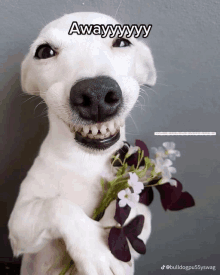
[{"x": 89, "y": 82}]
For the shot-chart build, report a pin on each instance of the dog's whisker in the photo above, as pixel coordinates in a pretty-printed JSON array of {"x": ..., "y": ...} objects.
[
  {"x": 42, "y": 102},
  {"x": 133, "y": 122},
  {"x": 44, "y": 113},
  {"x": 166, "y": 85},
  {"x": 140, "y": 96},
  {"x": 118, "y": 9},
  {"x": 143, "y": 92},
  {"x": 150, "y": 88},
  {"x": 32, "y": 98},
  {"x": 139, "y": 105}
]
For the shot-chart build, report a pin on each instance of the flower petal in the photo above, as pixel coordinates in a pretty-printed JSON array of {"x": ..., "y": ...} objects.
[
  {"x": 172, "y": 170},
  {"x": 121, "y": 213},
  {"x": 167, "y": 162},
  {"x": 169, "y": 145},
  {"x": 131, "y": 203},
  {"x": 139, "y": 186},
  {"x": 169, "y": 194},
  {"x": 118, "y": 244},
  {"x": 134, "y": 197},
  {"x": 123, "y": 202},
  {"x": 133, "y": 177},
  {"x": 173, "y": 182},
  {"x": 185, "y": 201},
  {"x": 121, "y": 194}
]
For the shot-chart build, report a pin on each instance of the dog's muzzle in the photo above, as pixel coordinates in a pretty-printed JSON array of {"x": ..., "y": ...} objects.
[{"x": 97, "y": 101}]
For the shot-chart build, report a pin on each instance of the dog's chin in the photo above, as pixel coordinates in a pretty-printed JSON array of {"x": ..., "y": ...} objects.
[{"x": 99, "y": 136}]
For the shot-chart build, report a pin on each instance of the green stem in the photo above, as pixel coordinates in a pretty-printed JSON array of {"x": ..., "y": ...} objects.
[{"x": 67, "y": 267}]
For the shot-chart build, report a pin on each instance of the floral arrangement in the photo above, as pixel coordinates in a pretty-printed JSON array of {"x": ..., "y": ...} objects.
[{"x": 135, "y": 177}]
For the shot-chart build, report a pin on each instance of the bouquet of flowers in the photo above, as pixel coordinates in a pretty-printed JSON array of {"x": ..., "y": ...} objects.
[{"x": 135, "y": 177}]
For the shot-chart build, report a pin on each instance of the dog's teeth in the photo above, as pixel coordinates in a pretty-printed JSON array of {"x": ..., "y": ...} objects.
[
  {"x": 103, "y": 129},
  {"x": 107, "y": 134},
  {"x": 71, "y": 128},
  {"x": 117, "y": 123},
  {"x": 90, "y": 136},
  {"x": 94, "y": 130},
  {"x": 77, "y": 128},
  {"x": 86, "y": 129},
  {"x": 101, "y": 136},
  {"x": 111, "y": 127}
]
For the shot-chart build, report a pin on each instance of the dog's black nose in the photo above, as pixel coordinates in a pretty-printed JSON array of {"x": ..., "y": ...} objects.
[{"x": 96, "y": 99}]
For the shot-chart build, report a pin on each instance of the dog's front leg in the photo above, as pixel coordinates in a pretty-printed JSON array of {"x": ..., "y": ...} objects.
[{"x": 36, "y": 221}]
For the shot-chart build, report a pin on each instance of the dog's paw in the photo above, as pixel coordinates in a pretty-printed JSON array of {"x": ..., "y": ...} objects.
[{"x": 92, "y": 255}]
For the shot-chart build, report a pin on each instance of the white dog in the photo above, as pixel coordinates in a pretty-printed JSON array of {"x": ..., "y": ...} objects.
[{"x": 89, "y": 84}]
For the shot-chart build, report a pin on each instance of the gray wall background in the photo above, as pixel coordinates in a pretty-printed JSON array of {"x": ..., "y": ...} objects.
[{"x": 185, "y": 41}]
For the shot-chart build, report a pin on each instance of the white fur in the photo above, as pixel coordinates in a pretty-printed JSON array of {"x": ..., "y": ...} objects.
[{"x": 57, "y": 198}]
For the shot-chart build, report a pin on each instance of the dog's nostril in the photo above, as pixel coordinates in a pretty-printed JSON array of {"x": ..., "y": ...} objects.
[
  {"x": 86, "y": 101},
  {"x": 82, "y": 100},
  {"x": 111, "y": 97}
]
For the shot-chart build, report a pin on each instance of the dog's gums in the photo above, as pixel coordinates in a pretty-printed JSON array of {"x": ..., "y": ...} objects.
[{"x": 98, "y": 136}]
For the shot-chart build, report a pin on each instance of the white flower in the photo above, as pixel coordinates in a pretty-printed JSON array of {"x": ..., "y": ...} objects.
[
  {"x": 161, "y": 164},
  {"x": 135, "y": 184},
  {"x": 170, "y": 152},
  {"x": 166, "y": 176},
  {"x": 126, "y": 197},
  {"x": 164, "y": 167},
  {"x": 173, "y": 182},
  {"x": 132, "y": 150},
  {"x": 159, "y": 152}
]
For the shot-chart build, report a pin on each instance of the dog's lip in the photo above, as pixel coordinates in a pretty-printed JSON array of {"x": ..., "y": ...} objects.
[{"x": 98, "y": 144}]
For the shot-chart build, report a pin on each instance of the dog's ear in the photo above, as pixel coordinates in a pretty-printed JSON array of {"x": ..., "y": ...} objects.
[
  {"x": 28, "y": 77},
  {"x": 144, "y": 67}
]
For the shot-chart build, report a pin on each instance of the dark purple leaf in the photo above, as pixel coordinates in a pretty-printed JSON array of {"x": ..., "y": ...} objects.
[
  {"x": 122, "y": 152},
  {"x": 118, "y": 244},
  {"x": 169, "y": 194},
  {"x": 133, "y": 159},
  {"x": 121, "y": 213},
  {"x": 185, "y": 201},
  {"x": 143, "y": 147},
  {"x": 135, "y": 226},
  {"x": 137, "y": 244},
  {"x": 146, "y": 196}
]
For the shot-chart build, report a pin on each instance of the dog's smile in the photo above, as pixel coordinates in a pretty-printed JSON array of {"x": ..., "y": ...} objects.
[{"x": 98, "y": 136}]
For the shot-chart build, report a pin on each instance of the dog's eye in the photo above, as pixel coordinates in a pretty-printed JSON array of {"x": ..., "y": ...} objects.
[
  {"x": 121, "y": 42},
  {"x": 44, "y": 51}
]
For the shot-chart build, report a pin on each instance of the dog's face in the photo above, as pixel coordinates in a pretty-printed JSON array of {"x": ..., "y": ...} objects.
[{"x": 91, "y": 83}]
